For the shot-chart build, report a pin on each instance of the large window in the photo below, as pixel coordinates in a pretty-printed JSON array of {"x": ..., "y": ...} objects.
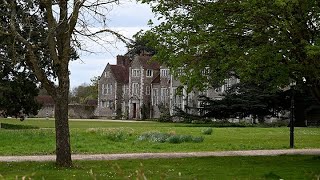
[
  {"x": 136, "y": 72},
  {"x": 147, "y": 90},
  {"x": 177, "y": 99},
  {"x": 135, "y": 88},
  {"x": 155, "y": 93},
  {"x": 149, "y": 73},
  {"x": 103, "y": 104},
  {"x": 164, "y": 95},
  {"x": 106, "y": 89},
  {"x": 164, "y": 72},
  {"x": 125, "y": 89}
]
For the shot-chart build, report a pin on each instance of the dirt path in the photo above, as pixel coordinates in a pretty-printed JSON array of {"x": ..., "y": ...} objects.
[{"x": 164, "y": 155}]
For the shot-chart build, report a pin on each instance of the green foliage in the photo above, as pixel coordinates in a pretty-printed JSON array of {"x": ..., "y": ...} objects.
[
  {"x": 84, "y": 92},
  {"x": 170, "y": 138},
  {"x": 18, "y": 90},
  {"x": 113, "y": 134},
  {"x": 154, "y": 137},
  {"x": 207, "y": 131},
  {"x": 273, "y": 41},
  {"x": 164, "y": 113}
]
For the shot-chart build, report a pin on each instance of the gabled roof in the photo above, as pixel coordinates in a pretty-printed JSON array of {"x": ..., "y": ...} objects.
[
  {"x": 121, "y": 73},
  {"x": 147, "y": 63}
]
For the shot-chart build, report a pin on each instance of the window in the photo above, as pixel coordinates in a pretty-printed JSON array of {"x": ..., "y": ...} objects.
[
  {"x": 177, "y": 99},
  {"x": 103, "y": 104},
  {"x": 149, "y": 73},
  {"x": 164, "y": 95},
  {"x": 125, "y": 89},
  {"x": 136, "y": 72},
  {"x": 164, "y": 72},
  {"x": 106, "y": 89},
  {"x": 147, "y": 90},
  {"x": 135, "y": 88},
  {"x": 109, "y": 104},
  {"x": 154, "y": 96}
]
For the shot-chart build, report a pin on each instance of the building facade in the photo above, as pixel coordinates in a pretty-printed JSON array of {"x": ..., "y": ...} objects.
[{"x": 139, "y": 88}]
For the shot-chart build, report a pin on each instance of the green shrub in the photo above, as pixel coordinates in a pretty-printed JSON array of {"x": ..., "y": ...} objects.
[
  {"x": 174, "y": 139},
  {"x": 113, "y": 134},
  {"x": 207, "y": 131},
  {"x": 166, "y": 137},
  {"x": 198, "y": 139},
  {"x": 153, "y": 136}
]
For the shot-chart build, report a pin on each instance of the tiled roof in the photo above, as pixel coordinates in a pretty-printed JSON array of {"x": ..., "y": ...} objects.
[
  {"x": 121, "y": 73},
  {"x": 147, "y": 63}
]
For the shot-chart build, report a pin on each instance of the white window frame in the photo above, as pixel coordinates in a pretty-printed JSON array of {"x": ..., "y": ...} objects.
[
  {"x": 149, "y": 73},
  {"x": 109, "y": 89},
  {"x": 135, "y": 88},
  {"x": 164, "y": 94},
  {"x": 177, "y": 99},
  {"x": 155, "y": 92},
  {"x": 148, "y": 90},
  {"x": 136, "y": 72},
  {"x": 164, "y": 72}
]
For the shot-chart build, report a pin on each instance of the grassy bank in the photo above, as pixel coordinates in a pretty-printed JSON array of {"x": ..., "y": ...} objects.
[
  {"x": 122, "y": 137},
  {"x": 275, "y": 167}
]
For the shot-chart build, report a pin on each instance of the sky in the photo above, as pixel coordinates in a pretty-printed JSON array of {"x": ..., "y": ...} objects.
[{"x": 127, "y": 18}]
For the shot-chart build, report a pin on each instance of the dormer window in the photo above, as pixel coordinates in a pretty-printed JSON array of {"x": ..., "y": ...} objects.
[{"x": 149, "y": 73}]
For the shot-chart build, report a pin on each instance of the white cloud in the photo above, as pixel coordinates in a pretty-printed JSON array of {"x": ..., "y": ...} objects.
[{"x": 127, "y": 19}]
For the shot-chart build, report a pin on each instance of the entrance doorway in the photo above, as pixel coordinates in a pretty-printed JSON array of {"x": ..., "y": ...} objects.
[{"x": 134, "y": 115}]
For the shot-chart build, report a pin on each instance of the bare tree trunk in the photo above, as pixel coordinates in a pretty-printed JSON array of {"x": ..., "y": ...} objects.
[{"x": 63, "y": 148}]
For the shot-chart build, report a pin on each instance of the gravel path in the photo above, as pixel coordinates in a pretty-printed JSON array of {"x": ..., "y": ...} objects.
[{"x": 164, "y": 155}]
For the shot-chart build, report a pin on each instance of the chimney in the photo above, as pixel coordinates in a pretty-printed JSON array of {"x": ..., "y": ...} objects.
[{"x": 123, "y": 60}]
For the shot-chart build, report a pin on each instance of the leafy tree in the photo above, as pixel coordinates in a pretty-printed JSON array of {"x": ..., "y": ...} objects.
[
  {"x": 17, "y": 92},
  {"x": 141, "y": 43},
  {"x": 245, "y": 99},
  {"x": 44, "y": 36},
  {"x": 275, "y": 41},
  {"x": 84, "y": 92}
]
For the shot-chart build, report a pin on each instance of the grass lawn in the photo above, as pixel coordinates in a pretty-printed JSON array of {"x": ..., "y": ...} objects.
[
  {"x": 273, "y": 167},
  {"x": 122, "y": 137}
]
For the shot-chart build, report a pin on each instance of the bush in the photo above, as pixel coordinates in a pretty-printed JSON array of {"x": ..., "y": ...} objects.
[
  {"x": 153, "y": 137},
  {"x": 113, "y": 134},
  {"x": 166, "y": 137},
  {"x": 198, "y": 139},
  {"x": 207, "y": 131}
]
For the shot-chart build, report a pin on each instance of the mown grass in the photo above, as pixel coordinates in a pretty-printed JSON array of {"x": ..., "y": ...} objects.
[
  {"x": 122, "y": 137},
  {"x": 272, "y": 167}
]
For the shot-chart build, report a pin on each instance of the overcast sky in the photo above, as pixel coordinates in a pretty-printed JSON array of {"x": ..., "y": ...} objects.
[{"x": 127, "y": 18}]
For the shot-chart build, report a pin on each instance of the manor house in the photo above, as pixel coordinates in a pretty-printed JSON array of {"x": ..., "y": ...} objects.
[{"x": 137, "y": 88}]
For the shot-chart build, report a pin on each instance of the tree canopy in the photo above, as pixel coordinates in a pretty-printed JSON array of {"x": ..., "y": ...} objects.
[
  {"x": 275, "y": 41},
  {"x": 44, "y": 36},
  {"x": 17, "y": 92}
]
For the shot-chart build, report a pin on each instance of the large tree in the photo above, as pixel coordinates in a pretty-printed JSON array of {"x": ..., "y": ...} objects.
[
  {"x": 256, "y": 40},
  {"x": 18, "y": 90},
  {"x": 45, "y": 35}
]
